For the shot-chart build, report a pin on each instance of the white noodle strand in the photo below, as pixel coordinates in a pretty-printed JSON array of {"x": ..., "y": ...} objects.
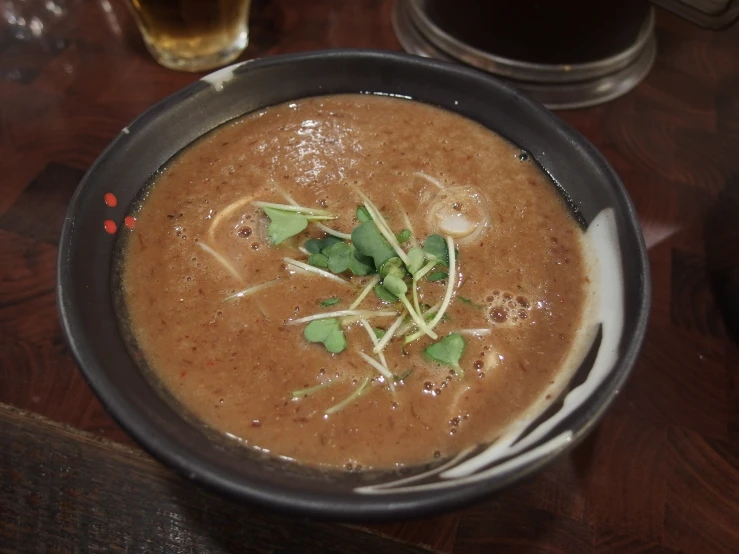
[
  {"x": 333, "y": 232},
  {"x": 222, "y": 260},
  {"x": 316, "y": 270},
  {"x": 380, "y": 346},
  {"x": 372, "y": 284},
  {"x": 374, "y": 363},
  {"x": 380, "y": 354},
  {"x": 429, "y": 178},
  {"x": 367, "y": 314},
  {"x": 297, "y": 209},
  {"x": 251, "y": 290}
]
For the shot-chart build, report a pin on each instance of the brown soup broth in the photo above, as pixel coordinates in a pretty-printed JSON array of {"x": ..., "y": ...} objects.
[{"x": 234, "y": 364}]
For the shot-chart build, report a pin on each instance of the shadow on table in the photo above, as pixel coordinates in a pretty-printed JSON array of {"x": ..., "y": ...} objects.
[{"x": 722, "y": 254}]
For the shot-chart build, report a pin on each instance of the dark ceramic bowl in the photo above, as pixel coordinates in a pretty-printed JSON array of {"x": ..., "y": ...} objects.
[{"x": 87, "y": 306}]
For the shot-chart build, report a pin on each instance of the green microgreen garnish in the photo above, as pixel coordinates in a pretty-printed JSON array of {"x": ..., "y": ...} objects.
[
  {"x": 381, "y": 369},
  {"x": 365, "y": 291},
  {"x": 417, "y": 258},
  {"x": 448, "y": 351},
  {"x": 366, "y": 314},
  {"x": 312, "y": 213},
  {"x": 368, "y": 240},
  {"x": 302, "y": 393},
  {"x": 363, "y": 215},
  {"x": 311, "y": 269},
  {"x": 395, "y": 285},
  {"x": 435, "y": 247},
  {"x": 403, "y": 236},
  {"x": 349, "y": 399},
  {"x": 426, "y": 313},
  {"x": 393, "y": 266},
  {"x": 328, "y": 332},
  {"x": 371, "y": 248},
  {"x": 331, "y": 301},
  {"x": 332, "y": 232},
  {"x": 343, "y": 257},
  {"x": 421, "y": 273},
  {"x": 318, "y": 260},
  {"x": 384, "y": 294},
  {"x": 465, "y": 300},
  {"x": 287, "y": 221},
  {"x": 382, "y": 365},
  {"x": 389, "y": 334},
  {"x": 417, "y": 276},
  {"x": 284, "y": 225},
  {"x": 382, "y": 226},
  {"x": 437, "y": 276},
  {"x": 452, "y": 257},
  {"x": 403, "y": 375},
  {"x": 317, "y": 246}
]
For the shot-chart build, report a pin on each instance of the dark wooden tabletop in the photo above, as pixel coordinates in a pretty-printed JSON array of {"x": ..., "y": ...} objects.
[{"x": 660, "y": 473}]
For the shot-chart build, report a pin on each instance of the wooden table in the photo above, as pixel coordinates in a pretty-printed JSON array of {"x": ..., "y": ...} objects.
[{"x": 660, "y": 474}]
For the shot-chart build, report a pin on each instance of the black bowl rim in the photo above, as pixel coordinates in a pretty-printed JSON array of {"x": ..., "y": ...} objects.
[{"x": 352, "y": 507}]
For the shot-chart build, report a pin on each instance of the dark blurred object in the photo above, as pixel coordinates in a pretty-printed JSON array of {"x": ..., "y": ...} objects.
[
  {"x": 722, "y": 255},
  {"x": 543, "y": 31},
  {"x": 711, "y": 14},
  {"x": 565, "y": 54}
]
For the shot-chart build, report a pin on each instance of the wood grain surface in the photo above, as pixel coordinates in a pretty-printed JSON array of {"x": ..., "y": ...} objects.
[
  {"x": 660, "y": 474},
  {"x": 64, "y": 490}
]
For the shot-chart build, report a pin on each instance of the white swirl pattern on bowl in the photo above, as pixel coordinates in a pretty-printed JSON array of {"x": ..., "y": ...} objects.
[{"x": 601, "y": 238}]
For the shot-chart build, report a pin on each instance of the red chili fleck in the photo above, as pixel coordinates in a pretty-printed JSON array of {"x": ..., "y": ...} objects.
[
  {"x": 110, "y": 200},
  {"x": 183, "y": 373},
  {"x": 110, "y": 226},
  {"x": 129, "y": 221}
]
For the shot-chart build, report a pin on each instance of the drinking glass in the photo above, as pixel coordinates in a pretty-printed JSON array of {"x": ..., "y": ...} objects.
[{"x": 193, "y": 35}]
